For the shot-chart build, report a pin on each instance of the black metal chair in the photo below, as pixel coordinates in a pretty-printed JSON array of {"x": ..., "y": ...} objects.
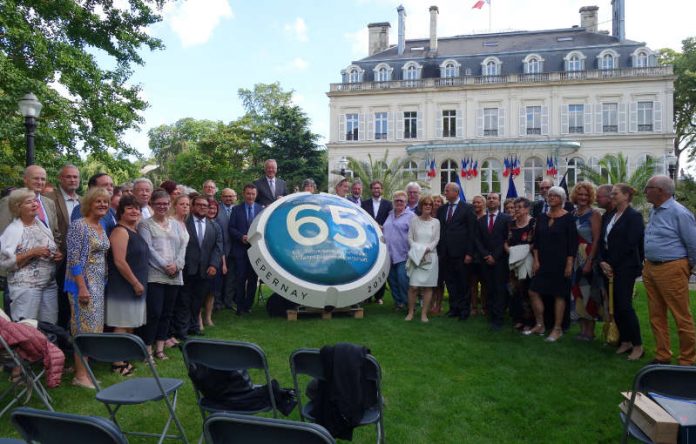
[
  {"x": 227, "y": 356},
  {"x": 229, "y": 428},
  {"x": 44, "y": 427},
  {"x": 308, "y": 362},
  {"x": 667, "y": 380},
  {"x": 26, "y": 383},
  {"x": 114, "y": 347}
]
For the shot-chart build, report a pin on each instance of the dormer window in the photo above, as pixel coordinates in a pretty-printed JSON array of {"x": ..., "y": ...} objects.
[
  {"x": 352, "y": 74},
  {"x": 643, "y": 58},
  {"x": 491, "y": 66},
  {"x": 607, "y": 60},
  {"x": 449, "y": 69},
  {"x": 411, "y": 71},
  {"x": 383, "y": 72},
  {"x": 575, "y": 64},
  {"x": 533, "y": 64}
]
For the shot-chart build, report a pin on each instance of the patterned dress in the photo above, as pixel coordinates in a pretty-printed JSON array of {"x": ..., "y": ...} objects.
[
  {"x": 87, "y": 250},
  {"x": 586, "y": 287}
]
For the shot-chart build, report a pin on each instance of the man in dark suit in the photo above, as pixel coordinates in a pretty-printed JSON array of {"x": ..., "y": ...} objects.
[
  {"x": 269, "y": 188},
  {"x": 240, "y": 220},
  {"x": 490, "y": 243},
  {"x": 379, "y": 209},
  {"x": 228, "y": 199},
  {"x": 541, "y": 206},
  {"x": 203, "y": 255},
  {"x": 455, "y": 249}
]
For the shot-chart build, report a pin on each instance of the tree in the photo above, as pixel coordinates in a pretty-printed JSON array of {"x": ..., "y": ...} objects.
[
  {"x": 684, "y": 65},
  {"x": 65, "y": 45},
  {"x": 613, "y": 168},
  {"x": 391, "y": 174},
  {"x": 686, "y": 192},
  {"x": 263, "y": 100}
]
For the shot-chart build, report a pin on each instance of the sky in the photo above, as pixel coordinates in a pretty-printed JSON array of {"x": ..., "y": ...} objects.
[{"x": 215, "y": 47}]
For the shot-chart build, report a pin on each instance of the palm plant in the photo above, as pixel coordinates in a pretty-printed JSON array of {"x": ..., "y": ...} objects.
[
  {"x": 613, "y": 168},
  {"x": 392, "y": 173}
]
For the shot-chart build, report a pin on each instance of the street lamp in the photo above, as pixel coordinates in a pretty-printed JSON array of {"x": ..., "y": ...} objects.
[
  {"x": 30, "y": 108},
  {"x": 342, "y": 165},
  {"x": 672, "y": 165}
]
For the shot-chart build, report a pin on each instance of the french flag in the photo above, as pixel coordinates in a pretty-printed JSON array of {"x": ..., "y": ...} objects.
[{"x": 479, "y": 4}]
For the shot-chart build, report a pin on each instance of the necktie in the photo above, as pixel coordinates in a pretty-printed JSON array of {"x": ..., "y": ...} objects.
[
  {"x": 199, "y": 224},
  {"x": 250, "y": 215},
  {"x": 41, "y": 214},
  {"x": 450, "y": 213},
  {"x": 490, "y": 222},
  {"x": 228, "y": 210},
  {"x": 271, "y": 183},
  {"x": 546, "y": 208}
]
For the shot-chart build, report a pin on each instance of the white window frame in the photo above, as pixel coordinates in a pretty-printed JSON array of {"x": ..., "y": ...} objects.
[
  {"x": 410, "y": 169},
  {"x": 410, "y": 124},
  {"x": 352, "y": 127},
  {"x": 533, "y": 64},
  {"x": 645, "y": 115},
  {"x": 643, "y": 57},
  {"x": 448, "y": 169},
  {"x": 449, "y": 69},
  {"x": 353, "y": 74},
  {"x": 536, "y": 127},
  {"x": 383, "y": 72},
  {"x": 449, "y": 123},
  {"x": 490, "y": 172},
  {"x": 533, "y": 171},
  {"x": 575, "y": 64},
  {"x": 610, "y": 118},
  {"x": 381, "y": 123},
  {"x": 576, "y": 118},
  {"x": 574, "y": 171},
  {"x": 608, "y": 60},
  {"x": 411, "y": 71},
  {"x": 491, "y": 66},
  {"x": 490, "y": 122}
]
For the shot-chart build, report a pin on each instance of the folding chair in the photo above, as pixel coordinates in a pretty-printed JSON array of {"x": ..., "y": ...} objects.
[
  {"x": 668, "y": 380},
  {"x": 227, "y": 356},
  {"x": 114, "y": 347},
  {"x": 308, "y": 362},
  {"x": 41, "y": 426},
  {"x": 26, "y": 383},
  {"x": 228, "y": 428}
]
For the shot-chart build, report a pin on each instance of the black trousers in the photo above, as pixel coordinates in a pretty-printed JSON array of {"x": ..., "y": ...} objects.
[
  {"x": 624, "y": 314},
  {"x": 188, "y": 305},
  {"x": 245, "y": 284},
  {"x": 160, "y": 308},
  {"x": 496, "y": 277},
  {"x": 456, "y": 278},
  {"x": 226, "y": 297},
  {"x": 63, "y": 301}
]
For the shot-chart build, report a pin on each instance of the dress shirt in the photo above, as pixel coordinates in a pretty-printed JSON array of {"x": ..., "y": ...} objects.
[
  {"x": 670, "y": 233},
  {"x": 375, "y": 205},
  {"x": 70, "y": 202},
  {"x": 200, "y": 229},
  {"x": 271, "y": 186},
  {"x": 355, "y": 200},
  {"x": 488, "y": 218},
  {"x": 145, "y": 212},
  {"x": 228, "y": 210},
  {"x": 396, "y": 235},
  {"x": 42, "y": 210}
]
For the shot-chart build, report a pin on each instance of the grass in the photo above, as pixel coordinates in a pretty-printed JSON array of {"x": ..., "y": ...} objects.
[{"x": 443, "y": 382}]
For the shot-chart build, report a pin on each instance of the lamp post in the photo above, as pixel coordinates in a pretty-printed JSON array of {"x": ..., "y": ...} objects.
[
  {"x": 672, "y": 165},
  {"x": 30, "y": 108},
  {"x": 342, "y": 165}
]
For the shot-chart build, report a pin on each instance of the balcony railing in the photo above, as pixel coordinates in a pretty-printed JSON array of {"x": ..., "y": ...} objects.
[{"x": 546, "y": 77}]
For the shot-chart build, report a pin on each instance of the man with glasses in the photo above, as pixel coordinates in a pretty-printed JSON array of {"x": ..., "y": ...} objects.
[
  {"x": 670, "y": 256},
  {"x": 240, "y": 220},
  {"x": 228, "y": 199},
  {"x": 379, "y": 209},
  {"x": 541, "y": 206},
  {"x": 413, "y": 191}
]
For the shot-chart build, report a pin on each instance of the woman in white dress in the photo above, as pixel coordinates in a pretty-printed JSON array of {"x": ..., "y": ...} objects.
[{"x": 422, "y": 264}]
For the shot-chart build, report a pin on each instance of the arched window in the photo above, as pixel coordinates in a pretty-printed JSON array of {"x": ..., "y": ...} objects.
[
  {"x": 449, "y": 69},
  {"x": 410, "y": 170},
  {"x": 574, "y": 171},
  {"x": 411, "y": 73},
  {"x": 593, "y": 163},
  {"x": 574, "y": 64},
  {"x": 533, "y": 64},
  {"x": 643, "y": 58},
  {"x": 607, "y": 60},
  {"x": 491, "y": 66},
  {"x": 490, "y": 176},
  {"x": 642, "y": 159},
  {"x": 448, "y": 169},
  {"x": 352, "y": 74},
  {"x": 533, "y": 172},
  {"x": 383, "y": 72}
]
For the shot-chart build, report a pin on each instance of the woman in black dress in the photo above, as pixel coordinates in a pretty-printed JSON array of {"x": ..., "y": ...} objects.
[
  {"x": 521, "y": 237},
  {"x": 555, "y": 247}
]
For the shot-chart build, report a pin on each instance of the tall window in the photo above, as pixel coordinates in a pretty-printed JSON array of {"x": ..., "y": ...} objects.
[
  {"x": 410, "y": 170},
  {"x": 491, "y": 69},
  {"x": 610, "y": 117},
  {"x": 594, "y": 164},
  {"x": 641, "y": 60},
  {"x": 607, "y": 62},
  {"x": 352, "y": 126},
  {"x": 354, "y": 76},
  {"x": 410, "y": 125},
  {"x": 533, "y": 66},
  {"x": 574, "y": 63},
  {"x": 382, "y": 75},
  {"x": 533, "y": 120},
  {"x": 490, "y": 176},
  {"x": 448, "y": 169},
  {"x": 411, "y": 73},
  {"x": 576, "y": 119},
  {"x": 449, "y": 123},
  {"x": 490, "y": 121},
  {"x": 450, "y": 70},
  {"x": 574, "y": 171},
  {"x": 381, "y": 126},
  {"x": 533, "y": 172},
  {"x": 645, "y": 116}
]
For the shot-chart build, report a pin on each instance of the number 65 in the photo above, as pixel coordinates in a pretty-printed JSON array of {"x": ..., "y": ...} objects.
[{"x": 294, "y": 223}]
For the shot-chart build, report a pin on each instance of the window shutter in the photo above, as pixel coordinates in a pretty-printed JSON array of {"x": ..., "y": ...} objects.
[
  {"x": 399, "y": 119},
  {"x": 564, "y": 119},
  {"x": 460, "y": 124},
  {"x": 587, "y": 110},
  {"x": 657, "y": 117},
  {"x": 633, "y": 118},
  {"x": 501, "y": 122},
  {"x": 419, "y": 125},
  {"x": 622, "y": 117},
  {"x": 439, "y": 123},
  {"x": 370, "y": 133},
  {"x": 599, "y": 125},
  {"x": 565, "y": 65},
  {"x": 541, "y": 66},
  {"x": 545, "y": 120},
  {"x": 525, "y": 67},
  {"x": 479, "y": 122},
  {"x": 341, "y": 127},
  {"x": 652, "y": 60},
  {"x": 523, "y": 119},
  {"x": 582, "y": 64},
  {"x": 390, "y": 126},
  {"x": 361, "y": 126}
]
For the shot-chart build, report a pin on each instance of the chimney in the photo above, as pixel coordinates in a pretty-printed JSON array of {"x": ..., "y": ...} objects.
[
  {"x": 433, "y": 28},
  {"x": 588, "y": 18},
  {"x": 378, "y": 39},
  {"x": 618, "y": 21},
  {"x": 401, "y": 45}
]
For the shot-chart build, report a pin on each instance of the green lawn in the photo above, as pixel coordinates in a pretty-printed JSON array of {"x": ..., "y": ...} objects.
[{"x": 443, "y": 382}]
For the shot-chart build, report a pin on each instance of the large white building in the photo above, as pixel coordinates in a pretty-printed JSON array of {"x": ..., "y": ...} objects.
[{"x": 571, "y": 95}]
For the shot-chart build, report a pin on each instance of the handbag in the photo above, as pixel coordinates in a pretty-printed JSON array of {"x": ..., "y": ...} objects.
[{"x": 610, "y": 332}]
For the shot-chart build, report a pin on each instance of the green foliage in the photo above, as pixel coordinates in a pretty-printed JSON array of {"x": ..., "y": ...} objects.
[
  {"x": 390, "y": 173},
  {"x": 614, "y": 169},
  {"x": 686, "y": 192}
]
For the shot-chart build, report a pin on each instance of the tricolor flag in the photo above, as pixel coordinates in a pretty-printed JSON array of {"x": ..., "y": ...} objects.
[
  {"x": 479, "y": 4},
  {"x": 431, "y": 171}
]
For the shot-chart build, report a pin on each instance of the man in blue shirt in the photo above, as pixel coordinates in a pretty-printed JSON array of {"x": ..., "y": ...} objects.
[{"x": 670, "y": 255}]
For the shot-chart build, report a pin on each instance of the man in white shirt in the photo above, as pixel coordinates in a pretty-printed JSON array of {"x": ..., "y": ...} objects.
[
  {"x": 270, "y": 187},
  {"x": 142, "y": 190}
]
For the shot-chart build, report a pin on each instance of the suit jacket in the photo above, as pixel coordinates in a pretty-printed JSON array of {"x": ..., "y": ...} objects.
[
  {"x": 625, "y": 242},
  {"x": 263, "y": 191},
  {"x": 493, "y": 243},
  {"x": 209, "y": 253},
  {"x": 50, "y": 210},
  {"x": 239, "y": 226},
  {"x": 457, "y": 237},
  {"x": 62, "y": 214},
  {"x": 385, "y": 206},
  {"x": 539, "y": 207},
  {"x": 224, "y": 221}
]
